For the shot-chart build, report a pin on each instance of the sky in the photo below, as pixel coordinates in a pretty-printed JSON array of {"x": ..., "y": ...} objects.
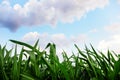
[{"x": 63, "y": 22}]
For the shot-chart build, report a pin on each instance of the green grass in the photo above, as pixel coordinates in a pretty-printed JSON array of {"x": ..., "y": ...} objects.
[{"x": 34, "y": 64}]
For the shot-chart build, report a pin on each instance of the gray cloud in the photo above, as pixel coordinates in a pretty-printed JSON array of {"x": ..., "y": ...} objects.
[{"x": 38, "y": 12}]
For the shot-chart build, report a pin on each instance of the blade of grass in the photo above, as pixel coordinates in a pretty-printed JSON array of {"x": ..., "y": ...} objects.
[{"x": 27, "y": 77}]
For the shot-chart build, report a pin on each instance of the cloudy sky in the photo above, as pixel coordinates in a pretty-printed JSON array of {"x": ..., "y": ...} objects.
[{"x": 64, "y": 22}]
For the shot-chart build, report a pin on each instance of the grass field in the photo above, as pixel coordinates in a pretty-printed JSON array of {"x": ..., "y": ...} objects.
[{"x": 34, "y": 64}]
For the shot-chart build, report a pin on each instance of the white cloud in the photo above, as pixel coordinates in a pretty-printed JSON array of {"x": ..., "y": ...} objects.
[
  {"x": 37, "y": 12},
  {"x": 59, "y": 39},
  {"x": 78, "y": 38},
  {"x": 112, "y": 43},
  {"x": 119, "y": 1},
  {"x": 113, "y": 27},
  {"x": 119, "y": 17},
  {"x": 31, "y": 36},
  {"x": 93, "y": 30},
  {"x": 62, "y": 42}
]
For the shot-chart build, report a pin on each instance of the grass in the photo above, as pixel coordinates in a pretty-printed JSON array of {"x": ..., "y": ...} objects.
[{"x": 41, "y": 65}]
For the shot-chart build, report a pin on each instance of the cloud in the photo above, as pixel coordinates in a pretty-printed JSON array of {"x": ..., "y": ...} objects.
[
  {"x": 59, "y": 39},
  {"x": 38, "y": 12},
  {"x": 62, "y": 41},
  {"x": 119, "y": 1},
  {"x": 113, "y": 27},
  {"x": 93, "y": 30},
  {"x": 112, "y": 43}
]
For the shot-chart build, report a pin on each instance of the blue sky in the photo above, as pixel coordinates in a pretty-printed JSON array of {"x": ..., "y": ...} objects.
[{"x": 64, "y": 22}]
